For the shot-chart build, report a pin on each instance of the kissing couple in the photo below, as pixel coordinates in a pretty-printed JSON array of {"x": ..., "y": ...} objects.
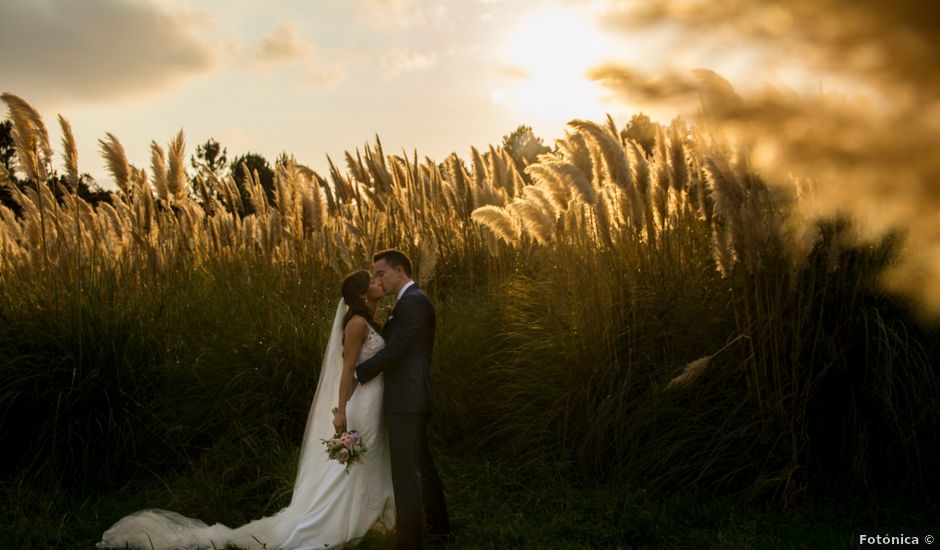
[{"x": 378, "y": 379}]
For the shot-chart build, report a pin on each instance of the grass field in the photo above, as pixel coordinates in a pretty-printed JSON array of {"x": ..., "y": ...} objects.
[
  {"x": 663, "y": 325},
  {"x": 492, "y": 506}
]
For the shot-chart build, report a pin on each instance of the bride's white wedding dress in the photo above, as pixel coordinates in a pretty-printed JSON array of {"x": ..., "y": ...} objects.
[{"x": 328, "y": 507}]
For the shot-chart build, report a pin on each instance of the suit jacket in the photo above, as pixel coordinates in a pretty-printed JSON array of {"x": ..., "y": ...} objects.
[{"x": 406, "y": 357}]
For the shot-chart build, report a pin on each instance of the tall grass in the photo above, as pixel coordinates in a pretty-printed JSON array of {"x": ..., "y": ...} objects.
[
  {"x": 665, "y": 321},
  {"x": 132, "y": 384}
]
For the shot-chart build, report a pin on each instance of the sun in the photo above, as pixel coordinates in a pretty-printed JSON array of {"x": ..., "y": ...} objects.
[{"x": 547, "y": 56}]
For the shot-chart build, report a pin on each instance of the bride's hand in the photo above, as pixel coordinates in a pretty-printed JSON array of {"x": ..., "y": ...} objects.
[{"x": 339, "y": 422}]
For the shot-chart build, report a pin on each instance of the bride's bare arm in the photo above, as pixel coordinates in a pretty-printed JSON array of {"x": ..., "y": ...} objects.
[{"x": 354, "y": 336}]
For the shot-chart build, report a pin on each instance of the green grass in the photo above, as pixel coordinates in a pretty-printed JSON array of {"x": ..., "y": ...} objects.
[{"x": 493, "y": 504}]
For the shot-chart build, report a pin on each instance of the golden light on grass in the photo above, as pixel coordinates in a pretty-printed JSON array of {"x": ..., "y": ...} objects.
[
  {"x": 867, "y": 150},
  {"x": 598, "y": 253}
]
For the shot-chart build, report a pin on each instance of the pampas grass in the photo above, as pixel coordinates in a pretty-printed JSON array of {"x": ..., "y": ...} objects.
[
  {"x": 690, "y": 373},
  {"x": 29, "y": 137},
  {"x": 574, "y": 292},
  {"x": 610, "y": 164},
  {"x": 69, "y": 153},
  {"x": 159, "y": 169},
  {"x": 499, "y": 220},
  {"x": 176, "y": 167},
  {"x": 116, "y": 160}
]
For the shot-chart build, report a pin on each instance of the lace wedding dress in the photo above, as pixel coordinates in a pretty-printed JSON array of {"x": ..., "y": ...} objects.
[{"x": 328, "y": 507}]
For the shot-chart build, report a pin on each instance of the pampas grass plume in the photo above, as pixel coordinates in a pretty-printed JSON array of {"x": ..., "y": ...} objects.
[
  {"x": 499, "y": 221},
  {"x": 113, "y": 153},
  {"x": 176, "y": 174},
  {"x": 692, "y": 372},
  {"x": 69, "y": 153}
]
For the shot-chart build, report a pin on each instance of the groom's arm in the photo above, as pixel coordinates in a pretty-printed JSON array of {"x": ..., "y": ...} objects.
[{"x": 409, "y": 316}]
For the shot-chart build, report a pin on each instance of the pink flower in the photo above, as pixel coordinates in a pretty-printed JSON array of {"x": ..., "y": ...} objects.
[{"x": 344, "y": 439}]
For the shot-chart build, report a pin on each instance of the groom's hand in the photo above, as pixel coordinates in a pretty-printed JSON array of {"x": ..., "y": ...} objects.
[{"x": 339, "y": 422}]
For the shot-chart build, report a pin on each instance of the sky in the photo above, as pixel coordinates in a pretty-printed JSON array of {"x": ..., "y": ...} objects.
[{"x": 319, "y": 77}]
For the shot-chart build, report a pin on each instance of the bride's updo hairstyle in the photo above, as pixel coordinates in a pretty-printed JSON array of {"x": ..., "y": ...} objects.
[{"x": 354, "y": 286}]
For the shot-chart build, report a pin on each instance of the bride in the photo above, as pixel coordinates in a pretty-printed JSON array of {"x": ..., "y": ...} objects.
[{"x": 328, "y": 507}]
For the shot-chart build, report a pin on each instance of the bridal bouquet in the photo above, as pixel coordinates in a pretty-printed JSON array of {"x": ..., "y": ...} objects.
[{"x": 346, "y": 448}]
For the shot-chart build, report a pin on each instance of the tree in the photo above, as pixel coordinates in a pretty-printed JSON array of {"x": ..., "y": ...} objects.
[
  {"x": 7, "y": 156},
  {"x": 255, "y": 163},
  {"x": 643, "y": 131},
  {"x": 88, "y": 189},
  {"x": 524, "y": 145},
  {"x": 7, "y": 150},
  {"x": 209, "y": 161},
  {"x": 210, "y": 157}
]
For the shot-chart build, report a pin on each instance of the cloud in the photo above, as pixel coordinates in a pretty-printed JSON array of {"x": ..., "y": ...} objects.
[
  {"x": 97, "y": 50},
  {"x": 325, "y": 77},
  {"x": 400, "y": 60},
  {"x": 400, "y": 14},
  {"x": 683, "y": 91},
  {"x": 891, "y": 43},
  {"x": 285, "y": 49},
  {"x": 283, "y": 44}
]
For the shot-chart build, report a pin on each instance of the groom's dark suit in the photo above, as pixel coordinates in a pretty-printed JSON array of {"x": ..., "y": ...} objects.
[{"x": 406, "y": 362}]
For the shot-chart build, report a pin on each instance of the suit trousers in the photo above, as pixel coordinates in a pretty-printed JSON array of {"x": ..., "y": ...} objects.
[{"x": 415, "y": 479}]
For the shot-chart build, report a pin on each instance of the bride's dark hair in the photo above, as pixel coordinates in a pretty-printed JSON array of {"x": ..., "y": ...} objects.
[{"x": 354, "y": 286}]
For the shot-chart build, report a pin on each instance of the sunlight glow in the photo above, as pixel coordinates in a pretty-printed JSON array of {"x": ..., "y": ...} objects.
[{"x": 548, "y": 55}]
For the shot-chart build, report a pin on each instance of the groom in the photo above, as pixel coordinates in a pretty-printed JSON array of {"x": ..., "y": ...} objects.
[{"x": 406, "y": 362}]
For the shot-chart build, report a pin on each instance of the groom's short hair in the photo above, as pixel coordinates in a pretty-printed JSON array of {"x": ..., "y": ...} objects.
[{"x": 394, "y": 258}]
